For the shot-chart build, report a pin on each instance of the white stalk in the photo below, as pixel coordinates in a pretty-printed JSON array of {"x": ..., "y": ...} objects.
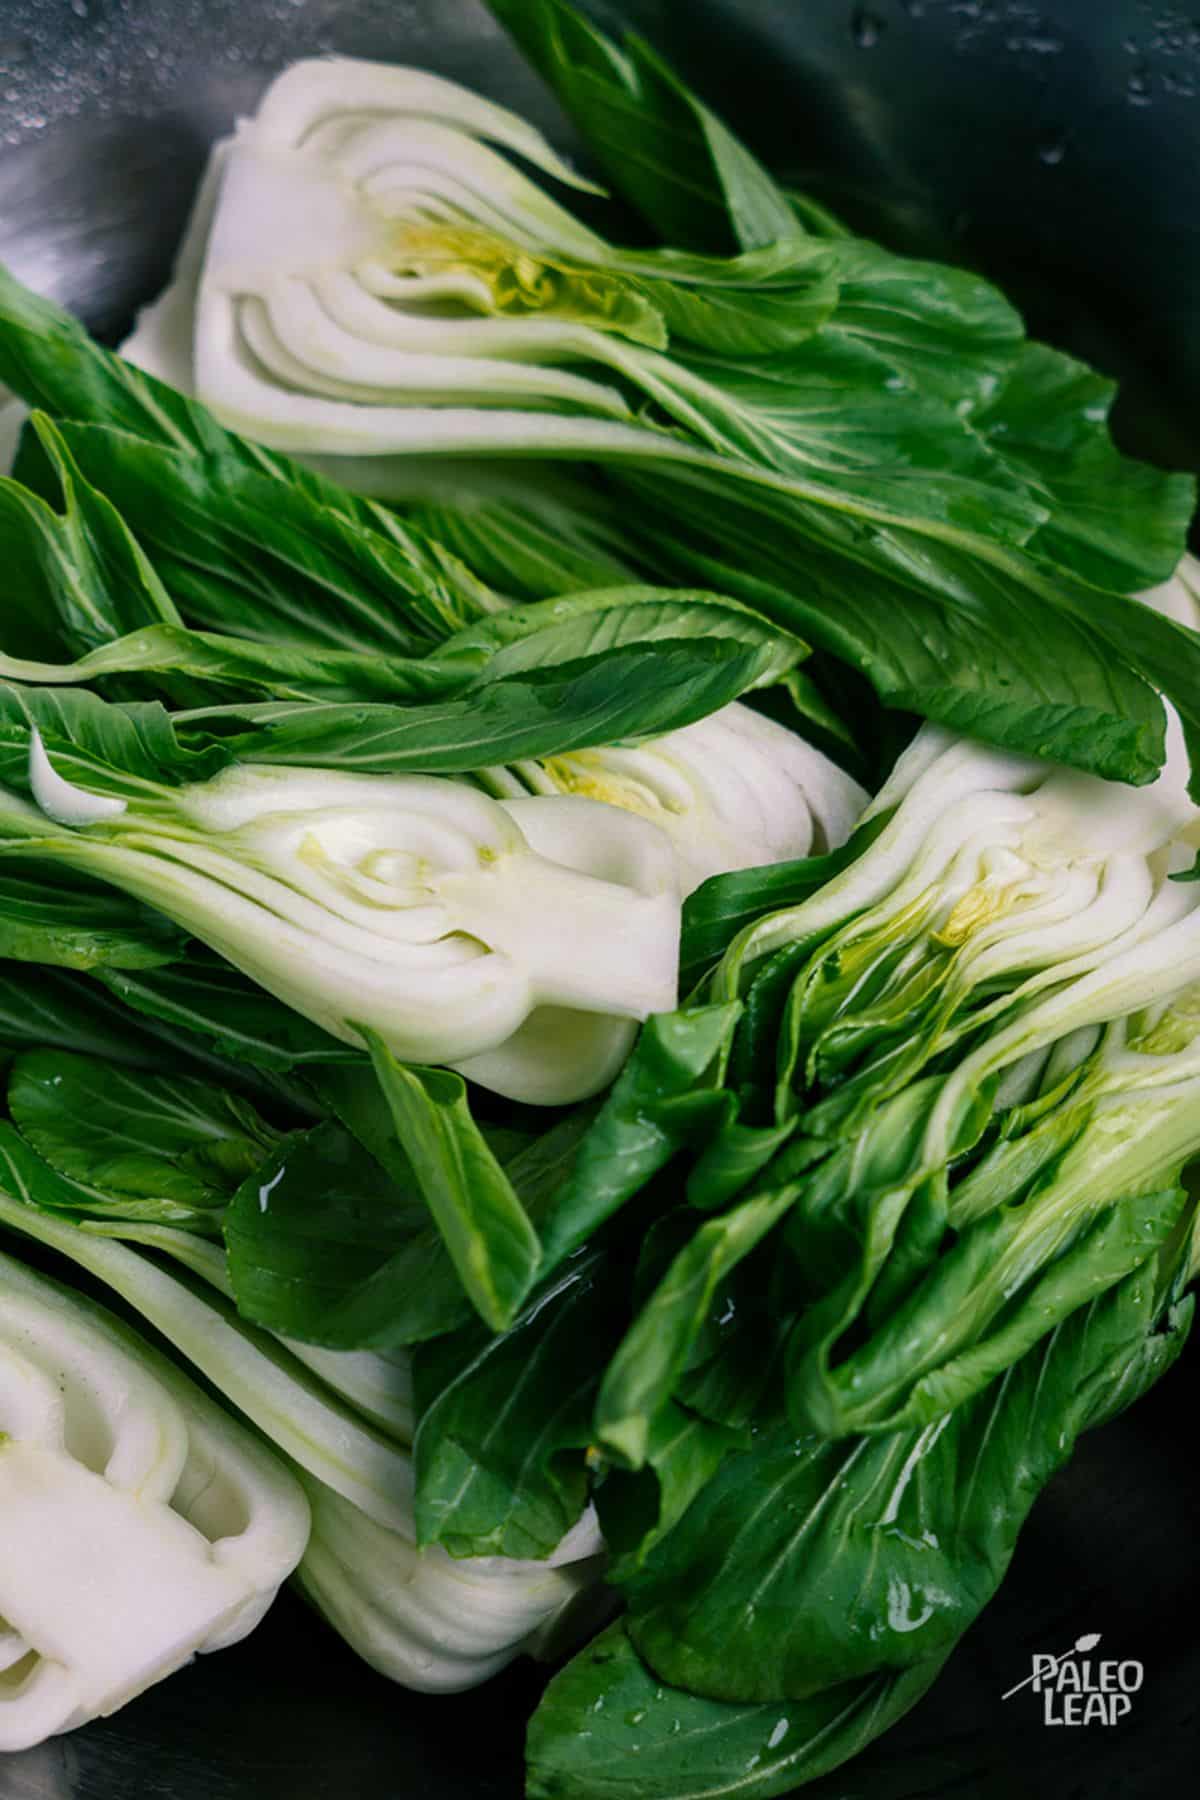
[
  {"x": 961, "y": 788},
  {"x": 421, "y": 1617},
  {"x": 1019, "y": 862},
  {"x": 414, "y": 905},
  {"x": 377, "y": 1384},
  {"x": 733, "y": 791},
  {"x": 139, "y": 1524},
  {"x": 309, "y": 94},
  {"x": 62, "y": 800},
  {"x": 430, "y": 1621},
  {"x": 310, "y": 1425},
  {"x": 381, "y": 280},
  {"x": 1154, "y": 967}
]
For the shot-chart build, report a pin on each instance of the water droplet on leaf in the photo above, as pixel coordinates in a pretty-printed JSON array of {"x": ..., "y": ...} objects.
[
  {"x": 1051, "y": 149},
  {"x": 866, "y": 28}
]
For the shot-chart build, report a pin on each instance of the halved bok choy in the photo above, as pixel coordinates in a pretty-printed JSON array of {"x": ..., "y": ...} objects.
[
  {"x": 418, "y": 1615},
  {"x": 413, "y": 906},
  {"x": 140, "y": 1523},
  {"x": 985, "y": 1068}
]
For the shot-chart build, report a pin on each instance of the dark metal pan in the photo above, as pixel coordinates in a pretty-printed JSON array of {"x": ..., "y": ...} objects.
[{"x": 1058, "y": 148}]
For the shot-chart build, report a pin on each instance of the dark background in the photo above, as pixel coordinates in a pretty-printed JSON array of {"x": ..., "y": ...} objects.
[{"x": 1055, "y": 147}]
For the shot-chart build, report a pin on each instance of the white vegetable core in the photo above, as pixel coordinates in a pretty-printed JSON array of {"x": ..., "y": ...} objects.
[{"x": 59, "y": 798}]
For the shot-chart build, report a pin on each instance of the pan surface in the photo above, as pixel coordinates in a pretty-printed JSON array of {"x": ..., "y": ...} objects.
[{"x": 1058, "y": 148}]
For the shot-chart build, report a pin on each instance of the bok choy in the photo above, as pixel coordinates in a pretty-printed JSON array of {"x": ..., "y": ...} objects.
[
  {"x": 866, "y": 449},
  {"x": 733, "y": 791},
  {"x": 413, "y": 907},
  {"x": 419, "y": 1617},
  {"x": 340, "y": 834},
  {"x": 977, "y": 1020},
  {"x": 140, "y": 1523}
]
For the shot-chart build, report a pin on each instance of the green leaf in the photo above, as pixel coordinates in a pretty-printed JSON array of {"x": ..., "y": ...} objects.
[
  {"x": 44, "y": 1007},
  {"x": 805, "y": 1564},
  {"x": 83, "y": 578},
  {"x": 667, "y": 153},
  {"x": 55, "y": 916},
  {"x": 1005, "y": 1282},
  {"x": 749, "y": 305},
  {"x": 48, "y": 1006},
  {"x": 536, "y": 1162},
  {"x": 919, "y": 1297},
  {"x": 725, "y": 904},
  {"x": 539, "y": 1167},
  {"x": 239, "y": 533},
  {"x": 638, "y": 1507},
  {"x": 643, "y": 1375},
  {"x": 945, "y": 331},
  {"x": 500, "y": 1469},
  {"x": 643, "y": 1123},
  {"x": 608, "y": 1729},
  {"x": 870, "y": 1208},
  {"x": 547, "y": 635},
  {"x": 987, "y": 648},
  {"x": 28, "y": 1178},
  {"x": 814, "y": 713},
  {"x": 762, "y": 1062},
  {"x": 148, "y": 1136},
  {"x": 200, "y": 995},
  {"x": 326, "y": 1247},
  {"x": 826, "y": 417},
  {"x": 239, "y": 664},
  {"x": 547, "y": 538},
  {"x": 735, "y": 1154},
  {"x": 351, "y": 1091},
  {"x": 269, "y": 551},
  {"x": 1167, "y": 655},
  {"x": 952, "y": 574},
  {"x": 1113, "y": 522},
  {"x": 735, "y": 1378},
  {"x": 111, "y": 748},
  {"x": 244, "y": 539},
  {"x": 640, "y": 691},
  {"x": 48, "y": 359},
  {"x": 332, "y": 1242},
  {"x": 520, "y": 640},
  {"x": 487, "y": 1231}
]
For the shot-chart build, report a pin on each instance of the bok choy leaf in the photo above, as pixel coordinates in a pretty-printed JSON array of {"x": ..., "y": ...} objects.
[
  {"x": 420, "y": 1618},
  {"x": 808, "y": 376},
  {"x": 929, "y": 1518}
]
